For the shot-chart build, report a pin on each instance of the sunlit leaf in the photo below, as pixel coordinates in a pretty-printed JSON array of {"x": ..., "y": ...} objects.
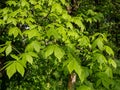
[
  {"x": 14, "y": 31},
  {"x": 20, "y": 68},
  {"x": 14, "y": 56},
  {"x": 59, "y": 52},
  {"x": 8, "y": 50},
  {"x": 84, "y": 87},
  {"x": 11, "y": 70},
  {"x": 49, "y": 51},
  {"x": 2, "y": 49},
  {"x": 29, "y": 58},
  {"x": 109, "y": 50},
  {"x": 112, "y": 62}
]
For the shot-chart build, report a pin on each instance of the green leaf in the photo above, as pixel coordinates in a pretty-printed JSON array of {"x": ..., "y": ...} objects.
[
  {"x": 84, "y": 87},
  {"x": 59, "y": 52},
  {"x": 14, "y": 31},
  {"x": 78, "y": 21},
  {"x": 29, "y": 48},
  {"x": 74, "y": 65},
  {"x": 31, "y": 33},
  {"x": 14, "y": 56},
  {"x": 32, "y": 2},
  {"x": 109, "y": 50},
  {"x": 8, "y": 50},
  {"x": 63, "y": 2},
  {"x": 106, "y": 84},
  {"x": 69, "y": 25},
  {"x": 109, "y": 72},
  {"x": 2, "y": 49},
  {"x": 99, "y": 81},
  {"x": 100, "y": 58},
  {"x": 112, "y": 62},
  {"x": 70, "y": 66},
  {"x": 73, "y": 34},
  {"x": 20, "y": 68},
  {"x": 53, "y": 32},
  {"x": 36, "y": 46},
  {"x": 57, "y": 8},
  {"x": 98, "y": 42},
  {"x": 33, "y": 54},
  {"x": 84, "y": 41},
  {"x": 11, "y": 70},
  {"x": 49, "y": 50},
  {"x": 29, "y": 58}
]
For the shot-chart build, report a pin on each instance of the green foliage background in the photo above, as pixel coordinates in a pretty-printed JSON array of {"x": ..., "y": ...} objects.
[{"x": 43, "y": 41}]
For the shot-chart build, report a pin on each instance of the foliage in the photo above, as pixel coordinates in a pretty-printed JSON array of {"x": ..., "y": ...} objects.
[{"x": 46, "y": 40}]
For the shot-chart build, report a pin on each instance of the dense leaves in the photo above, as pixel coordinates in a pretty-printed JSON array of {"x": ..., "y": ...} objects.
[{"x": 45, "y": 41}]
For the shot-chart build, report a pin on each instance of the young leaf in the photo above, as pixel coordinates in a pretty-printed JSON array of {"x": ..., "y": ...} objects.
[
  {"x": 84, "y": 41},
  {"x": 11, "y": 69},
  {"x": 99, "y": 81},
  {"x": 109, "y": 50},
  {"x": 59, "y": 52},
  {"x": 33, "y": 54},
  {"x": 29, "y": 58},
  {"x": 109, "y": 72},
  {"x": 36, "y": 46},
  {"x": 8, "y": 50},
  {"x": 78, "y": 21},
  {"x": 73, "y": 65},
  {"x": 100, "y": 58},
  {"x": 20, "y": 68},
  {"x": 70, "y": 66},
  {"x": 100, "y": 44},
  {"x": 14, "y": 56},
  {"x": 106, "y": 84},
  {"x": 31, "y": 33},
  {"x": 49, "y": 50},
  {"x": 2, "y": 49},
  {"x": 112, "y": 62},
  {"x": 84, "y": 87},
  {"x": 13, "y": 31}
]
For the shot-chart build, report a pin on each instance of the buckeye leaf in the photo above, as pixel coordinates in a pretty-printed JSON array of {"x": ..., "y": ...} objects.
[
  {"x": 100, "y": 43},
  {"x": 2, "y": 49},
  {"x": 70, "y": 66},
  {"x": 49, "y": 50},
  {"x": 59, "y": 52},
  {"x": 11, "y": 70},
  {"x": 8, "y": 50},
  {"x": 13, "y": 31},
  {"x": 79, "y": 70},
  {"x": 36, "y": 46},
  {"x": 14, "y": 56},
  {"x": 112, "y": 62},
  {"x": 20, "y": 68},
  {"x": 109, "y": 50},
  {"x": 33, "y": 54},
  {"x": 29, "y": 58},
  {"x": 84, "y": 87}
]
